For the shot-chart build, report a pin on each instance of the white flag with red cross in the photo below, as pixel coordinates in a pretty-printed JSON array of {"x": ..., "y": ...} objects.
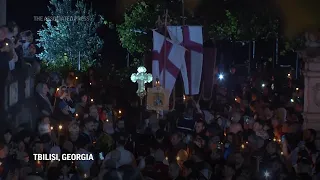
[
  {"x": 168, "y": 58},
  {"x": 191, "y": 38}
]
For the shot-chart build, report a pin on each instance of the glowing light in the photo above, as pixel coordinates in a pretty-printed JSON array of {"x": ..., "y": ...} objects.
[
  {"x": 247, "y": 142},
  {"x": 85, "y": 175},
  {"x": 279, "y": 140},
  {"x": 220, "y": 76},
  {"x": 51, "y": 128},
  {"x": 60, "y": 127},
  {"x": 263, "y": 85},
  {"x": 235, "y": 99},
  {"x": 76, "y": 77},
  {"x": 242, "y": 146},
  {"x": 274, "y": 139},
  {"x": 58, "y": 89},
  {"x": 7, "y": 44},
  {"x": 91, "y": 100},
  {"x": 292, "y": 100},
  {"x": 281, "y": 153},
  {"x": 297, "y": 89},
  {"x": 90, "y": 84},
  {"x": 119, "y": 112},
  {"x": 77, "y": 115},
  {"x": 107, "y": 120},
  {"x": 178, "y": 158},
  {"x": 266, "y": 174},
  {"x": 289, "y": 75},
  {"x": 167, "y": 158},
  {"x": 184, "y": 97}
]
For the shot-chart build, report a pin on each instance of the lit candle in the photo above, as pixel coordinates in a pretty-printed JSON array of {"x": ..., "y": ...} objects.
[
  {"x": 281, "y": 153},
  {"x": 242, "y": 146},
  {"x": 263, "y": 85},
  {"x": 247, "y": 142},
  {"x": 58, "y": 89},
  {"x": 235, "y": 99},
  {"x": 120, "y": 112},
  {"x": 289, "y": 75},
  {"x": 51, "y": 128},
  {"x": 91, "y": 100},
  {"x": 178, "y": 158},
  {"x": 60, "y": 127},
  {"x": 77, "y": 115},
  {"x": 292, "y": 100},
  {"x": 297, "y": 89},
  {"x": 90, "y": 84},
  {"x": 274, "y": 139},
  {"x": 7, "y": 44},
  {"x": 279, "y": 140},
  {"x": 76, "y": 77},
  {"x": 107, "y": 120},
  {"x": 184, "y": 97}
]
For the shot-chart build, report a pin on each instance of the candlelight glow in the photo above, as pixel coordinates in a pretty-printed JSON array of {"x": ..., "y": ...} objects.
[
  {"x": 77, "y": 115},
  {"x": 184, "y": 97},
  {"x": 247, "y": 142},
  {"x": 167, "y": 158},
  {"x": 281, "y": 153},
  {"x": 289, "y": 75},
  {"x": 60, "y": 127},
  {"x": 274, "y": 139},
  {"x": 242, "y": 146},
  {"x": 292, "y": 100},
  {"x": 297, "y": 89},
  {"x": 178, "y": 158},
  {"x": 90, "y": 84},
  {"x": 107, "y": 120},
  {"x": 51, "y": 128},
  {"x": 263, "y": 85},
  {"x": 76, "y": 77},
  {"x": 91, "y": 100},
  {"x": 7, "y": 44},
  {"x": 120, "y": 112},
  {"x": 58, "y": 89}
]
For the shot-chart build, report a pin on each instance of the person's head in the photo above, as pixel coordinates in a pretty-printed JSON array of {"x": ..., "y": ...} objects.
[
  {"x": 229, "y": 170},
  {"x": 8, "y": 136},
  {"x": 199, "y": 127},
  {"x": 89, "y": 124},
  {"x": 257, "y": 126},
  {"x": 122, "y": 139},
  {"x": 65, "y": 167},
  {"x": 176, "y": 139},
  {"x": 46, "y": 120},
  {"x": 3, "y": 150},
  {"x": 42, "y": 89},
  {"x": 38, "y": 147},
  {"x": 13, "y": 28},
  {"x": 187, "y": 168},
  {"x": 174, "y": 170},
  {"x": 238, "y": 159},
  {"x": 159, "y": 135},
  {"x": 309, "y": 135},
  {"x": 84, "y": 98},
  {"x": 271, "y": 148}
]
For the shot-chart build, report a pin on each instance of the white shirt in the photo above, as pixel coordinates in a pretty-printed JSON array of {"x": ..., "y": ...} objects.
[{"x": 126, "y": 157}]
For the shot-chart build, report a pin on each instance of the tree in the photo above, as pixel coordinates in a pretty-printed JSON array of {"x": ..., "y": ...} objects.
[
  {"x": 135, "y": 31},
  {"x": 71, "y": 29}
]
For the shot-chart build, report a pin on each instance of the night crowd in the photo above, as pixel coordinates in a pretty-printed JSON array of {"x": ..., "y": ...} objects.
[{"x": 252, "y": 132}]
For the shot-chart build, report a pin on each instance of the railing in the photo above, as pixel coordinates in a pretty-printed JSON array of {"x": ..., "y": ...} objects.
[{"x": 19, "y": 102}]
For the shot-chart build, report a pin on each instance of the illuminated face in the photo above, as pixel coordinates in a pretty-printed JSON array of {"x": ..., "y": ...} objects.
[
  {"x": 84, "y": 98},
  {"x": 175, "y": 140},
  {"x": 199, "y": 127},
  {"x": 90, "y": 126}
]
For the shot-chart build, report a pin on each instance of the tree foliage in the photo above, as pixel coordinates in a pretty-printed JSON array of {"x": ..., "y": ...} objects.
[{"x": 71, "y": 30}]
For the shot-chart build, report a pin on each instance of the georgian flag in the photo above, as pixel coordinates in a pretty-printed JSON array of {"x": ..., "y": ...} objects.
[
  {"x": 190, "y": 37},
  {"x": 168, "y": 58}
]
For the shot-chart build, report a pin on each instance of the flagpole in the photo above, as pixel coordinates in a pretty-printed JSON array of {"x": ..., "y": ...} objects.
[{"x": 165, "y": 48}]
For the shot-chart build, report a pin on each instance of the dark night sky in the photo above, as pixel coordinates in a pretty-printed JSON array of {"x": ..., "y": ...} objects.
[{"x": 23, "y": 12}]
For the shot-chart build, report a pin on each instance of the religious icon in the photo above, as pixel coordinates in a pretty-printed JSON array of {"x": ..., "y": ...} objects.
[{"x": 158, "y": 101}]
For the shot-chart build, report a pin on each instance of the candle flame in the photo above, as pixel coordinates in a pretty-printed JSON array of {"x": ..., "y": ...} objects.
[
  {"x": 242, "y": 146},
  {"x": 247, "y": 142},
  {"x": 107, "y": 120},
  {"x": 51, "y": 128},
  {"x": 274, "y": 139},
  {"x": 178, "y": 158},
  {"x": 184, "y": 97},
  {"x": 90, "y": 83},
  {"x": 7, "y": 44},
  {"x": 76, "y": 77},
  {"x": 60, "y": 127},
  {"x": 120, "y": 112},
  {"x": 91, "y": 100},
  {"x": 281, "y": 153},
  {"x": 297, "y": 89},
  {"x": 58, "y": 89},
  {"x": 77, "y": 115}
]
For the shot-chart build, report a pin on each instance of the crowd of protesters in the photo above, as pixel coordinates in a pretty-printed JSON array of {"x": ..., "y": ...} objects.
[{"x": 254, "y": 132}]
